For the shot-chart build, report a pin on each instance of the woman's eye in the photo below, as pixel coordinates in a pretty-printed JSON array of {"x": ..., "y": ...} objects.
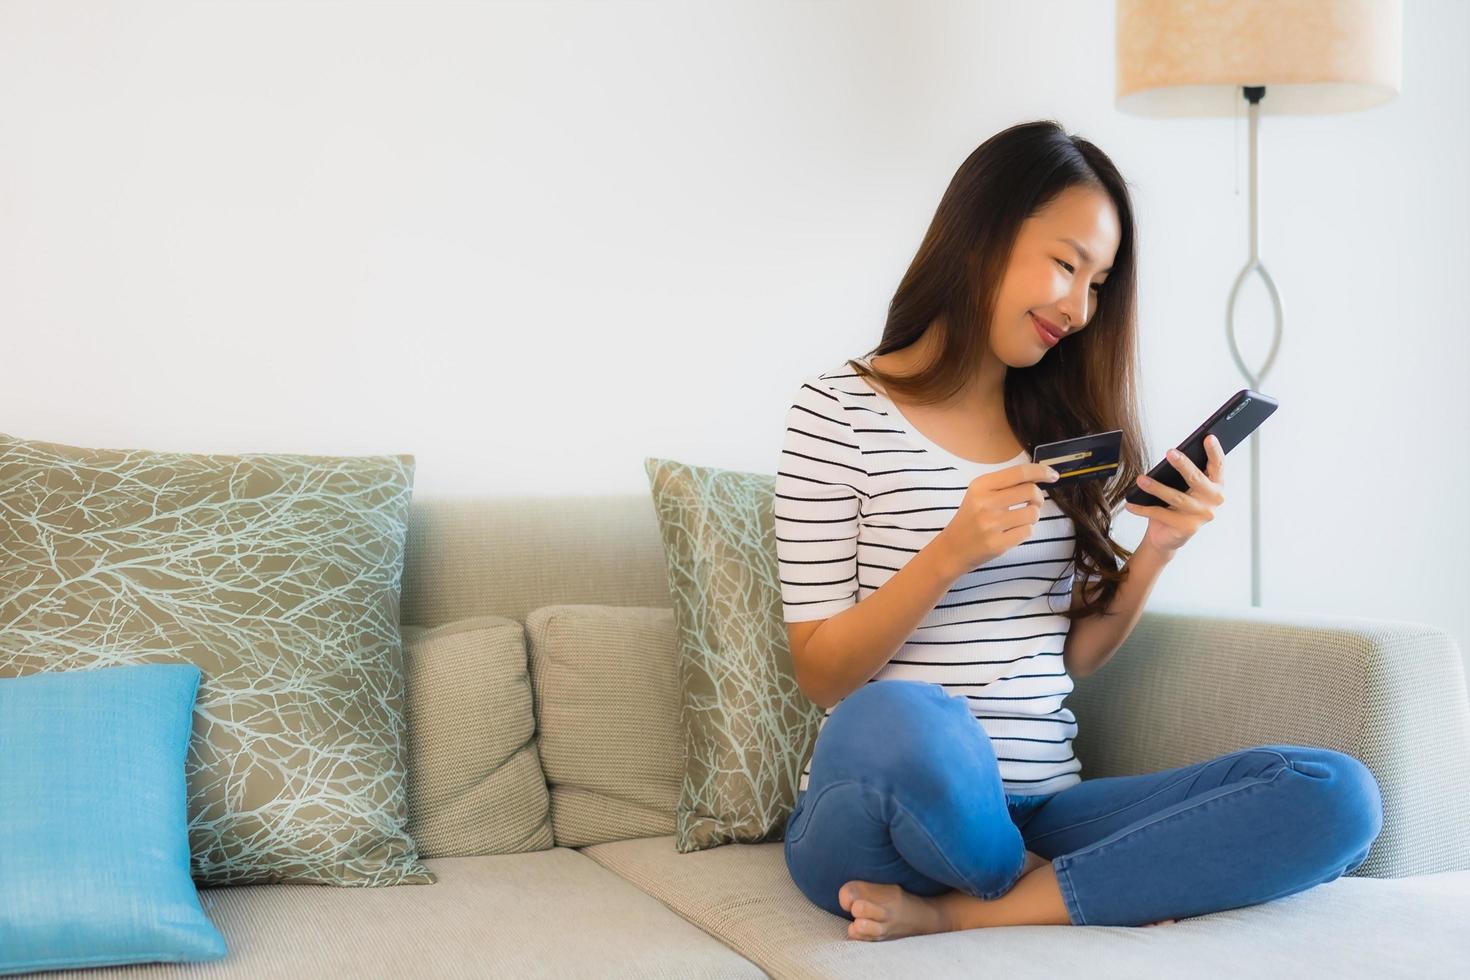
[{"x": 1096, "y": 287}]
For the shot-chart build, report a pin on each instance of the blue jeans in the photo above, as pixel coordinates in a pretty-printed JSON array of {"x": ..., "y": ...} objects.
[{"x": 904, "y": 789}]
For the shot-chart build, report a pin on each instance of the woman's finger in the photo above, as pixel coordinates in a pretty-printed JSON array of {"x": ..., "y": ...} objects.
[
  {"x": 1185, "y": 465},
  {"x": 1168, "y": 494},
  {"x": 1216, "y": 466},
  {"x": 1208, "y": 489},
  {"x": 1161, "y": 514}
]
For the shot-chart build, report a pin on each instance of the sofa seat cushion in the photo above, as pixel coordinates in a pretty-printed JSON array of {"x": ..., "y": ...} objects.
[
  {"x": 543, "y": 913},
  {"x": 1350, "y": 927}
]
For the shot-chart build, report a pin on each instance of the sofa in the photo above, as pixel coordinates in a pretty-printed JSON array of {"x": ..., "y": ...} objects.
[{"x": 596, "y": 887}]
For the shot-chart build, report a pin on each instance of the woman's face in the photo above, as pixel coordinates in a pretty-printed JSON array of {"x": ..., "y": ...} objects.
[{"x": 1052, "y": 278}]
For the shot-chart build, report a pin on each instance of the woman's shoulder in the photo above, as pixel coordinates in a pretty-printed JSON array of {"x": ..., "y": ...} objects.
[
  {"x": 842, "y": 379},
  {"x": 832, "y": 402}
]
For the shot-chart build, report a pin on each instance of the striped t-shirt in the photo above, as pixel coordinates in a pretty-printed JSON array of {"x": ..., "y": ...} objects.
[{"x": 859, "y": 490}]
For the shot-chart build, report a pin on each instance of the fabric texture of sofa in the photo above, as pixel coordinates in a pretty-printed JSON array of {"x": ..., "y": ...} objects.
[{"x": 545, "y": 761}]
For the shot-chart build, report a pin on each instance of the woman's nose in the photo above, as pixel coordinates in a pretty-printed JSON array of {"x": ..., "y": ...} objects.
[{"x": 1076, "y": 311}]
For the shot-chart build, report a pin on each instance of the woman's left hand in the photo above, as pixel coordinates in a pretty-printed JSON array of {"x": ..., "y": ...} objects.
[{"x": 1169, "y": 527}]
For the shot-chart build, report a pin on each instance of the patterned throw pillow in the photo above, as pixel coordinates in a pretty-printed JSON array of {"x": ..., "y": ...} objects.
[
  {"x": 278, "y": 576},
  {"x": 748, "y": 729}
]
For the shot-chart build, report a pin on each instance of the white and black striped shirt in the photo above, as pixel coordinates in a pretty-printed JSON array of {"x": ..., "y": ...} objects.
[{"x": 859, "y": 490}]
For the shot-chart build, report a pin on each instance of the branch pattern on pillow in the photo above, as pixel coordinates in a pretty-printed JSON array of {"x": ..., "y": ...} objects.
[
  {"x": 279, "y": 577},
  {"x": 747, "y": 727}
]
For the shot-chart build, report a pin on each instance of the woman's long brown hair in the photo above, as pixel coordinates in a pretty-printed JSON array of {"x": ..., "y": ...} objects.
[{"x": 1085, "y": 384}]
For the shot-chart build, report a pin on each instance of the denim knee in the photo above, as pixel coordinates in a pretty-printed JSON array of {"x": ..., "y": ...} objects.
[
  {"x": 1362, "y": 801},
  {"x": 894, "y": 695},
  {"x": 907, "y": 729},
  {"x": 1351, "y": 796}
]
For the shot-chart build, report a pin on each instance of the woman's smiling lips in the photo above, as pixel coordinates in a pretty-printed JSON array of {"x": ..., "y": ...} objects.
[{"x": 1049, "y": 338}]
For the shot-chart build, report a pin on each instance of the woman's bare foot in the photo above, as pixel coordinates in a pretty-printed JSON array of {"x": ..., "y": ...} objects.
[{"x": 888, "y": 912}]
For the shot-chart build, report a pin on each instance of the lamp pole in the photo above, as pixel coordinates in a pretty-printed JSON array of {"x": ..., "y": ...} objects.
[{"x": 1253, "y": 94}]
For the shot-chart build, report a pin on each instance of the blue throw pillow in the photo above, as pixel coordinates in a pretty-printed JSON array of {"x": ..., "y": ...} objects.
[{"x": 94, "y": 845}]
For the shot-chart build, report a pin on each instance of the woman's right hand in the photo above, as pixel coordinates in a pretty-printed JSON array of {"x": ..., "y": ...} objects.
[{"x": 988, "y": 522}]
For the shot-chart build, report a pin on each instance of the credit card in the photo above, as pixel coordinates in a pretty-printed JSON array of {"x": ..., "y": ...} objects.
[{"x": 1093, "y": 457}]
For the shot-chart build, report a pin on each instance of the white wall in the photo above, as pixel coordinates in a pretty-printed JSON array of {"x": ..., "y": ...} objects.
[{"x": 534, "y": 242}]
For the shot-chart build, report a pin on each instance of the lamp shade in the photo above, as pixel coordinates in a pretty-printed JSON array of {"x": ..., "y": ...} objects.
[{"x": 1191, "y": 57}]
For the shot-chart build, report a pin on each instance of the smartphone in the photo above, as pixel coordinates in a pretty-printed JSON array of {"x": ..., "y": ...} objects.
[{"x": 1242, "y": 414}]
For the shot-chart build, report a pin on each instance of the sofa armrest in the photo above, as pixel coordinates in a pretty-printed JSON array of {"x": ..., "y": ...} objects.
[{"x": 1193, "y": 683}]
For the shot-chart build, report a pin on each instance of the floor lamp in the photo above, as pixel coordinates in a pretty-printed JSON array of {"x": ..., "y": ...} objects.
[{"x": 1201, "y": 57}]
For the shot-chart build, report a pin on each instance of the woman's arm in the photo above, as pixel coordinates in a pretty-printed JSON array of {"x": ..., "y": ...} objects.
[{"x": 1091, "y": 642}]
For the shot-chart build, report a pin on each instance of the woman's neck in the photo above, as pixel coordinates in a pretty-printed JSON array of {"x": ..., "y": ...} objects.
[{"x": 984, "y": 396}]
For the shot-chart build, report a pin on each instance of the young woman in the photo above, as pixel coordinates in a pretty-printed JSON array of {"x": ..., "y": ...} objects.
[{"x": 940, "y": 595}]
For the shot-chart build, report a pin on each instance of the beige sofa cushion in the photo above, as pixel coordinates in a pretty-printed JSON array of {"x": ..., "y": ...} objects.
[
  {"x": 1350, "y": 927},
  {"x": 474, "y": 775},
  {"x": 748, "y": 728},
  {"x": 607, "y": 705},
  {"x": 511, "y": 916},
  {"x": 278, "y": 576}
]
